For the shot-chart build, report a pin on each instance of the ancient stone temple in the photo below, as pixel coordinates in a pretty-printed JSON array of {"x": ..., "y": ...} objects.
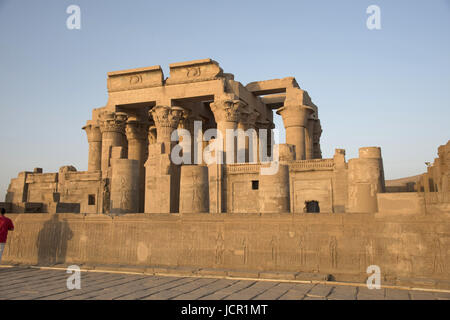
[
  {"x": 130, "y": 168},
  {"x": 167, "y": 186}
]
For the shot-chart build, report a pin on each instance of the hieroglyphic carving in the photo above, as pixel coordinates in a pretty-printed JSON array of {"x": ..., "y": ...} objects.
[
  {"x": 438, "y": 261},
  {"x": 220, "y": 248},
  {"x": 244, "y": 246},
  {"x": 302, "y": 250},
  {"x": 106, "y": 196},
  {"x": 193, "y": 72},
  {"x": 124, "y": 194},
  {"x": 274, "y": 249},
  {"x": 333, "y": 252}
]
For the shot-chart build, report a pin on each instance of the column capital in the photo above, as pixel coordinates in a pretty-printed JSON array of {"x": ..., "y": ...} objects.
[
  {"x": 136, "y": 130},
  {"x": 265, "y": 125},
  {"x": 295, "y": 115},
  {"x": 227, "y": 109},
  {"x": 252, "y": 119},
  {"x": 93, "y": 132},
  {"x": 113, "y": 122},
  {"x": 167, "y": 117}
]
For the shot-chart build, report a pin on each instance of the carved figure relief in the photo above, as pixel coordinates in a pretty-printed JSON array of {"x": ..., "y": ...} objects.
[
  {"x": 333, "y": 252},
  {"x": 220, "y": 248}
]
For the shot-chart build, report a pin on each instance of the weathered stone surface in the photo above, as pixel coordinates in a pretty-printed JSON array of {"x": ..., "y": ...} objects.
[{"x": 313, "y": 218}]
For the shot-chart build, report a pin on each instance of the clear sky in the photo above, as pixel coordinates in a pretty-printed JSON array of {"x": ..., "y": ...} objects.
[{"x": 387, "y": 88}]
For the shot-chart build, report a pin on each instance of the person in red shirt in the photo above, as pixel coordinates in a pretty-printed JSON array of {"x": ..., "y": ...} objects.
[{"x": 5, "y": 226}]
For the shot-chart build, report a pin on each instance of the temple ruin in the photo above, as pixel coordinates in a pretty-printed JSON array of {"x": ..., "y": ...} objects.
[
  {"x": 310, "y": 219},
  {"x": 130, "y": 170}
]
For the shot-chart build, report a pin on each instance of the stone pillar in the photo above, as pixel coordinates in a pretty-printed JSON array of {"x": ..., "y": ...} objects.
[
  {"x": 295, "y": 119},
  {"x": 166, "y": 120},
  {"x": 274, "y": 191},
  {"x": 112, "y": 127},
  {"x": 268, "y": 126},
  {"x": 365, "y": 180},
  {"x": 124, "y": 186},
  {"x": 226, "y": 113},
  {"x": 136, "y": 133},
  {"x": 162, "y": 186},
  {"x": 94, "y": 137},
  {"x": 194, "y": 190},
  {"x": 187, "y": 123},
  {"x": 316, "y": 140},
  {"x": 309, "y": 139}
]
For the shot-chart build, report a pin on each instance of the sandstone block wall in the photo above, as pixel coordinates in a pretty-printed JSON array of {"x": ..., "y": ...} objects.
[{"x": 410, "y": 250}]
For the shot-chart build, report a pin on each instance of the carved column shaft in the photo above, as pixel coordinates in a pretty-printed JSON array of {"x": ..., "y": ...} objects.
[
  {"x": 309, "y": 139},
  {"x": 136, "y": 133},
  {"x": 166, "y": 121},
  {"x": 226, "y": 113},
  {"x": 112, "y": 127},
  {"x": 94, "y": 137}
]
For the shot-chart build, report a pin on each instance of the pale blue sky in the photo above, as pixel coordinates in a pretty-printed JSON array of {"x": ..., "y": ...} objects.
[{"x": 387, "y": 88}]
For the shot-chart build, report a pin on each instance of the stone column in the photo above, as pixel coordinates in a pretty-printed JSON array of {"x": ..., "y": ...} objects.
[
  {"x": 295, "y": 119},
  {"x": 274, "y": 191},
  {"x": 166, "y": 120},
  {"x": 316, "y": 140},
  {"x": 162, "y": 186},
  {"x": 309, "y": 140},
  {"x": 187, "y": 123},
  {"x": 365, "y": 180},
  {"x": 194, "y": 189},
  {"x": 94, "y": 137},
  {"x": 136, "y": 133},
  {"x": 124, "y": 186},
  {"x": 251, "y": 124},
  {"x": 268, "y": 126},
  {"x": 112, "y": 127},
  {"x": 226, "y": 113}
]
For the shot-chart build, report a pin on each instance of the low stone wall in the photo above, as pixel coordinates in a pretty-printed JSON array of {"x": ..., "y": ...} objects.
[
  {"x": 401, "y": 203},
  {"x": 409, "y": 249}
]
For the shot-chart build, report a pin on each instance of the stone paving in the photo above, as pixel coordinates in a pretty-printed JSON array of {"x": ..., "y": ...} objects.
[{"x": 44, "y": 284}]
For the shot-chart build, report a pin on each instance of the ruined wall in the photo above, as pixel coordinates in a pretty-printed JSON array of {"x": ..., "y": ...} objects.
[
  {"x": 64, "y": 191},
  {"x": 408, "y": 249}
]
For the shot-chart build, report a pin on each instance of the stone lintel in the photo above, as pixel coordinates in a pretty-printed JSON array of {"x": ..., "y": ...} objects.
[
  {"x": 193, "y": 71},
  {"x": 274, "y": 101},
  {"x": 132, "y": 79},
  {"x": 271, "y": 86},
  {"x": 192, "y": 63},
  {"x": 133, "y": 71}
]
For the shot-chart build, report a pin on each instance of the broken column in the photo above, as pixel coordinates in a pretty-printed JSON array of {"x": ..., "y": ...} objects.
[
  {"x": 365, "y": 180},
  {"x": 124, "y": 186},
  {"x": 274, "y": 191},
  {"x": 194, "y": 196}
]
